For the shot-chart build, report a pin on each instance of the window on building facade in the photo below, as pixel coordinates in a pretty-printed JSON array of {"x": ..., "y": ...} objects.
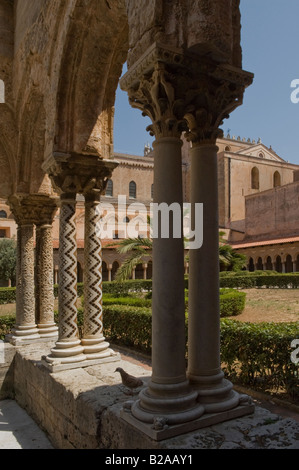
[
  {"x": 2, "y": 233},
  {"x": 132, "y": 190},
  {"x": 276, "y": 179},
  {"x": 152, "y": 191},
  {"x": 3, "y": 215},
  {"x": 255, "y": 178},
  {"x": 109, "y": 189}
]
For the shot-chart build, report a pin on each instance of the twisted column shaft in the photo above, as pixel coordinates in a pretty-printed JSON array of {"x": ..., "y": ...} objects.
[
  {"x": 44, "y": 282},
  {"x": 68, "y": 347},
  {"x": 95, "y": 346},
  {"x": 25, "y": 321}
]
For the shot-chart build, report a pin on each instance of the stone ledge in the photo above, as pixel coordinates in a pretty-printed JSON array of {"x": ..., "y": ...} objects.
[{"x": 81, "y": 409}]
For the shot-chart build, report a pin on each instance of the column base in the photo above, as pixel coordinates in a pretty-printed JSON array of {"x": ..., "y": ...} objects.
[
  {"x": 215, "y": 393},
  {"x": 66, "y": 352},
  {"x": 58, "y": 366},
  {"x": 160, "y": 429},
  {"x": 49, "y": 330},
  {"x": 172, "y": 403},
  {"x": 96, "y": 348},
  {"x": 23, "y": 334}
]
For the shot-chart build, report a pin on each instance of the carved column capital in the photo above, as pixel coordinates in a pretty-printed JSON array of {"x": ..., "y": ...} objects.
[
  {"x": 182, "y": 91},
  {"x": 79, "y": 174},
  {"x": 34, "y": 209}
]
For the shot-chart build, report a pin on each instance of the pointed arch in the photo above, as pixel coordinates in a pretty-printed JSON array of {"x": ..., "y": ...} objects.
[{"x": 94, "y": 53}]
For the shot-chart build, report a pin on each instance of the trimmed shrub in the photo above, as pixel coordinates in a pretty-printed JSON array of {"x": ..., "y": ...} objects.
[
  {"x": 261, "y": 279},
  {"x": 260, "y": 354},
  {"x": 7, "y": 295},
  {"x": 122, "y": 289},
  {"x": 256, "y": 355},
  {"x": 131, "y": 301},
  {"x": 232, "y": 302},
  {"x": 6, "y": 325},
  {"x": 129, "y": 326}
]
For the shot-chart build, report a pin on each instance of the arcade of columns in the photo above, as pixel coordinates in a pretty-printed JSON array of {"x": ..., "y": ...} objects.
[{"x": 182, "y": 91}]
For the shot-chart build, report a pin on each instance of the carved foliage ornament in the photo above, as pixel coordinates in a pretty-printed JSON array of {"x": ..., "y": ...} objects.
[
  {"x": 33, "y": 209},
  {"x": 180, "y": 92},
  {"x": 85, "y": 177}
]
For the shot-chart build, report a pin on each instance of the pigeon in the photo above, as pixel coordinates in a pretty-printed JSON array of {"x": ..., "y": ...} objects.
[{"x": 128, "y": 380}]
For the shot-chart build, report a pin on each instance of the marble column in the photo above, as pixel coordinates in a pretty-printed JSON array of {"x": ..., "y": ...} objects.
[
  {"x": 68, "y": 348},
  {"x": 283, "y": 267},
  {"x": 294, "y": 266},
  {"x": 26, "y": 328},
  {"x": 44, "y": 282},
  {"x": 168, "y": 393},
  {"x": 204, "y": 368},
  {"x": 144, "y": 266},
  {"x": 93, "y": 341},
  {"x": 109, "y": 267},
  {"x": 168, "y": 396},
  {"x": 56, "y": 270}
]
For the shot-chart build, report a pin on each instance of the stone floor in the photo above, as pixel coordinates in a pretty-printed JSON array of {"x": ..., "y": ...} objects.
[{"x": 18, "y": 430}]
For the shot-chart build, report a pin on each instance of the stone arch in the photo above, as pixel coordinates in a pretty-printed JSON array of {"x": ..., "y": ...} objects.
[
  {"x": 105, "y": 273},
  {"x": 288, "y": 264},
  {"x": 95, "y": 49},
  {"x": 139, "y": 271},
  {"x": 115, "y": 267},
  {"x": 8, "y": 140},
  {"x": 31, "y": 178},
  {"x": 250, "y": 265},
  {"x": 259, "y": 264}
]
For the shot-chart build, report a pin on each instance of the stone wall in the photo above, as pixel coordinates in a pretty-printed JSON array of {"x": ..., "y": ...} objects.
[{"x": 273, "y": 213}]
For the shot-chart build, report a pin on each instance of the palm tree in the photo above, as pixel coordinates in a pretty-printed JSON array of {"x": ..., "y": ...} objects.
[
  {"x": 229, "y": 259},
  {"x": 137, "y": 248}
]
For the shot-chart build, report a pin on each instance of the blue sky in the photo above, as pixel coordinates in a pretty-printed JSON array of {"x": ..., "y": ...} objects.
[{"x": 270, "y": 38}]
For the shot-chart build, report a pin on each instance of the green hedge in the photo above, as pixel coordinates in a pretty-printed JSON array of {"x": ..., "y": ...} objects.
[
  {"x": 260, "y": 354},
  {"x": 257, "y": 355},
  {"x": 232, "y": 302},
  {"x": 7, "y": 295},
  {"x": 257, "y": 280},
  {"x": 240, "y": 279},
  {"x": 252, "y": 354},
  {"x": 6, "y": 325}
]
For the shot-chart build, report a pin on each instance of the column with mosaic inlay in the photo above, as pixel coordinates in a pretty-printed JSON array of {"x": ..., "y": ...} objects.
[
  {"x": 93, "y": 341},
  {"x": 68, "y": 348}
]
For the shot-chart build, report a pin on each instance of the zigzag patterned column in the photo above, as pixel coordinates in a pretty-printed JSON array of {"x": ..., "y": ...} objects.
[
  {"x": 95, "y": 346},
  {"x": 68, "y": 348}
]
